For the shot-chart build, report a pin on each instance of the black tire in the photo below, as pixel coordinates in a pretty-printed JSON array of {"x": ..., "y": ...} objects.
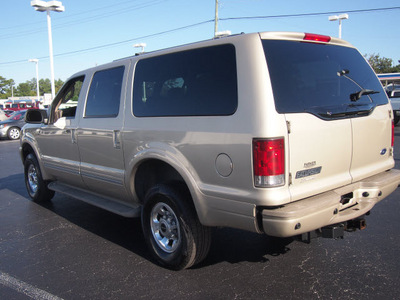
[
  {"x": 172, "y": 230},
  {"x": 14, "y": 133},
  {"x": 35, "y": 185}
]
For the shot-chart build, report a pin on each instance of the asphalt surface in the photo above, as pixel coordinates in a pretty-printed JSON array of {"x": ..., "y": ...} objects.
[{"x": 70, "y": 250}]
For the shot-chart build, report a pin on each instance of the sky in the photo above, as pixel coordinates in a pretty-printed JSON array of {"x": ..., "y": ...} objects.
[{"x": 94, "y": 32}]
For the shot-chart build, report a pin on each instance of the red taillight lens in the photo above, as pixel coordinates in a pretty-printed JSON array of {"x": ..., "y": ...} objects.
[
  {"x": 269, "y": 162},
  {"x": 317, "y": 38},
  {"x": 392, "y": 133}
]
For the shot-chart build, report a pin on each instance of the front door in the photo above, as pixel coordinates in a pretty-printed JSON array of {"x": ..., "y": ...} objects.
[{"x": 57, "y": 140}]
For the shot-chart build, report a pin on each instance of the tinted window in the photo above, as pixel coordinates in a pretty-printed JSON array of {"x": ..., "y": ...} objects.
[
  {"x": 105, "y": 93},
  {"x": 190, "y": 83},
  {"x": 319, "y": 78}
]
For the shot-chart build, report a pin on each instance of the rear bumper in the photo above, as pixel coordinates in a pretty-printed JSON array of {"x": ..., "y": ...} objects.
[{"x": 339, "y": 205}]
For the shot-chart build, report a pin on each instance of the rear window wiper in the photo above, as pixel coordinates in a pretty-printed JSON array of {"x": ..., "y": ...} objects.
[{"x": 356, "y": 96}]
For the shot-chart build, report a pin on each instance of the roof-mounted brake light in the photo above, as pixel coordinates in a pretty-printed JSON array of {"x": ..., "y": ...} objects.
[{"x": 316, "y": 38}]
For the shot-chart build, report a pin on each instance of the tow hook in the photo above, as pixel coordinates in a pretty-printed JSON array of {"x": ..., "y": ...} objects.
[
  {"x": 335, "y": 231},
  {"x": 355, "y": 224}
]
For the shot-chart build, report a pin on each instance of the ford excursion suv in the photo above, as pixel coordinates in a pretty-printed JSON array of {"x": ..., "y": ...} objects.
[{"x": 285, "y": 134}]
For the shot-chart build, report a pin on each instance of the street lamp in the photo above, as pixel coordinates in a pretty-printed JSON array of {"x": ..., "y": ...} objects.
[
  {"x": 47, "y": 7},
  {"x": 35, "y": 60},
  {"x": 141, "y": 46},
  {"x": 340, "y": 18}
]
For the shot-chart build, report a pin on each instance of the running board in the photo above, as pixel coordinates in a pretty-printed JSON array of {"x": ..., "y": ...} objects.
[{"x": 96, "y": 200}]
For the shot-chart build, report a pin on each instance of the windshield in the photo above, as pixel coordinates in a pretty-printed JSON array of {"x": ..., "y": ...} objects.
[{"x": 326, "y": 80}]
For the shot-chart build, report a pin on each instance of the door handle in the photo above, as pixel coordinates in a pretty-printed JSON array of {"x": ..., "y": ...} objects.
[
  {"x": 73, "y": 134},
  {"x": 117, "y": 139}
]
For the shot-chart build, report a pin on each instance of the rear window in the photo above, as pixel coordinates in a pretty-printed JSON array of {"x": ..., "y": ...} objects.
[
  {"x": 199, "y": 82},
  {"x": 320, "y": 79}
]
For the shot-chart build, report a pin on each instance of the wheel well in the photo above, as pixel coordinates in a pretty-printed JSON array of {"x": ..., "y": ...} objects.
[
  {"x": 152, "y": 172},
  {"x": 27, "y": 149}
]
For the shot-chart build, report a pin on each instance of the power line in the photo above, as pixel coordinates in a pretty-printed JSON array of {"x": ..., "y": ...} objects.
[
  {"x": 78, "y": 21},
  {"x": 311, "y": 14},
  {"x": 202, "y": 23},
  {"x": 113, "y": 44}
]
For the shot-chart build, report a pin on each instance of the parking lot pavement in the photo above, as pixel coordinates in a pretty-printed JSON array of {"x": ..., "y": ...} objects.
[{"x": 70, "y": 250}]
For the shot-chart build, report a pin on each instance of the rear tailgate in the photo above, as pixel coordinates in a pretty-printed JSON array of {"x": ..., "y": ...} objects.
[
  {"x": 372, "y": 149},
  {"x": 324, "y": 155},
  {"x": 320, "y": 154},
  {"x": 338, "y": 115}
]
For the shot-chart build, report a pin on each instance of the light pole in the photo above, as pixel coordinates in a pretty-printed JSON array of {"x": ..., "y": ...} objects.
[
  {"x": 47, "y": 7},
  {"x": 340, "y": 18},
  {"x": 141, "y": 46},
  {"x": 35, "y": 60},
  {"x": 216, "y": 18}
]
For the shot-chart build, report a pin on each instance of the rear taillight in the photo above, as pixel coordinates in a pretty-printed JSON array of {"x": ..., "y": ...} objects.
[
  {"x": 392, "y": 133},
  {"x": 316, "y": 38},
  {"x": 269, "y": 162}
]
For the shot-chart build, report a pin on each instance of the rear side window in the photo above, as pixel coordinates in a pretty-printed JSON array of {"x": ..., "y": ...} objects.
[
  {"x": 105, "y": 93},
  {"x": 200, "y": 82},
  {"x": 320, "y": 79}
]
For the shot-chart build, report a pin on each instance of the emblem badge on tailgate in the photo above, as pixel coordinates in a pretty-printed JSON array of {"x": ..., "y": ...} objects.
[{"x": 308, "y": 172}]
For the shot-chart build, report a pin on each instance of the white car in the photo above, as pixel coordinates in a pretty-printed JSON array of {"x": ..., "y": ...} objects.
[{"x": 394, "y": 97}]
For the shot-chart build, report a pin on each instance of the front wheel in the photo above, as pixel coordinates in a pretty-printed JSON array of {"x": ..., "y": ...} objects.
[
  {"x": 172, "y": 230},
  {"x": 35, "y": 185}
]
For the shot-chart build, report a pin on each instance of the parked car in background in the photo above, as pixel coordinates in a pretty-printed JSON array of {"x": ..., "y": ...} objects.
[
  {"x": 17, "y": 105},
  {"x": 394, "y": 97},
  {"x": 11, "y": 127}
]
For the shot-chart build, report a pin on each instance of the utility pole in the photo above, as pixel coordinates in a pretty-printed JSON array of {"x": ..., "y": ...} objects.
[{"x": 216, "y": 19}]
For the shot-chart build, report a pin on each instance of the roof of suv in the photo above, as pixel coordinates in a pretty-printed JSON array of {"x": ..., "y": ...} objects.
[{"x": 290, "y": 36}]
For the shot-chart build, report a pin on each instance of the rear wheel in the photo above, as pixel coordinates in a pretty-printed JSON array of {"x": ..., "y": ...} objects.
[
  {"x": 35, "y": 185},
  {"x": 172, "y": 229},
  {"x": 13, "y": 133}
]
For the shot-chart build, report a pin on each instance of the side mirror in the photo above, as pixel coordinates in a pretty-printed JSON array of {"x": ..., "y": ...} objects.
[{"x": 35, "y": 116}]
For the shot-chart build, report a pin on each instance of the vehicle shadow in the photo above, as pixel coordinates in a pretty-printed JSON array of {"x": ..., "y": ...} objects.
[
  {"x": 236, "y": 246},
  {"x": 228, "y": 245}
]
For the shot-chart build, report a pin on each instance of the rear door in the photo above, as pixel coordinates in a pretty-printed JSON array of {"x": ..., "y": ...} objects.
[
  {"x": 372, "y": 144},
  {"x": 99, "y": 134},
  {"x": 336, "y": 135},
  {"x": 320, "y": 154}
]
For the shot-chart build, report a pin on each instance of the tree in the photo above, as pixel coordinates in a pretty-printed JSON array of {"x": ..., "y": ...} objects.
[
  {"x": 5, "y": 87},
  {"x": 24, "y": 89},
  {"x": 27, "y": 88},
  {"x": 44, "y": 86},
  {"x": 382, "y": 64},
  {"x": 58, "y": 84}
]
